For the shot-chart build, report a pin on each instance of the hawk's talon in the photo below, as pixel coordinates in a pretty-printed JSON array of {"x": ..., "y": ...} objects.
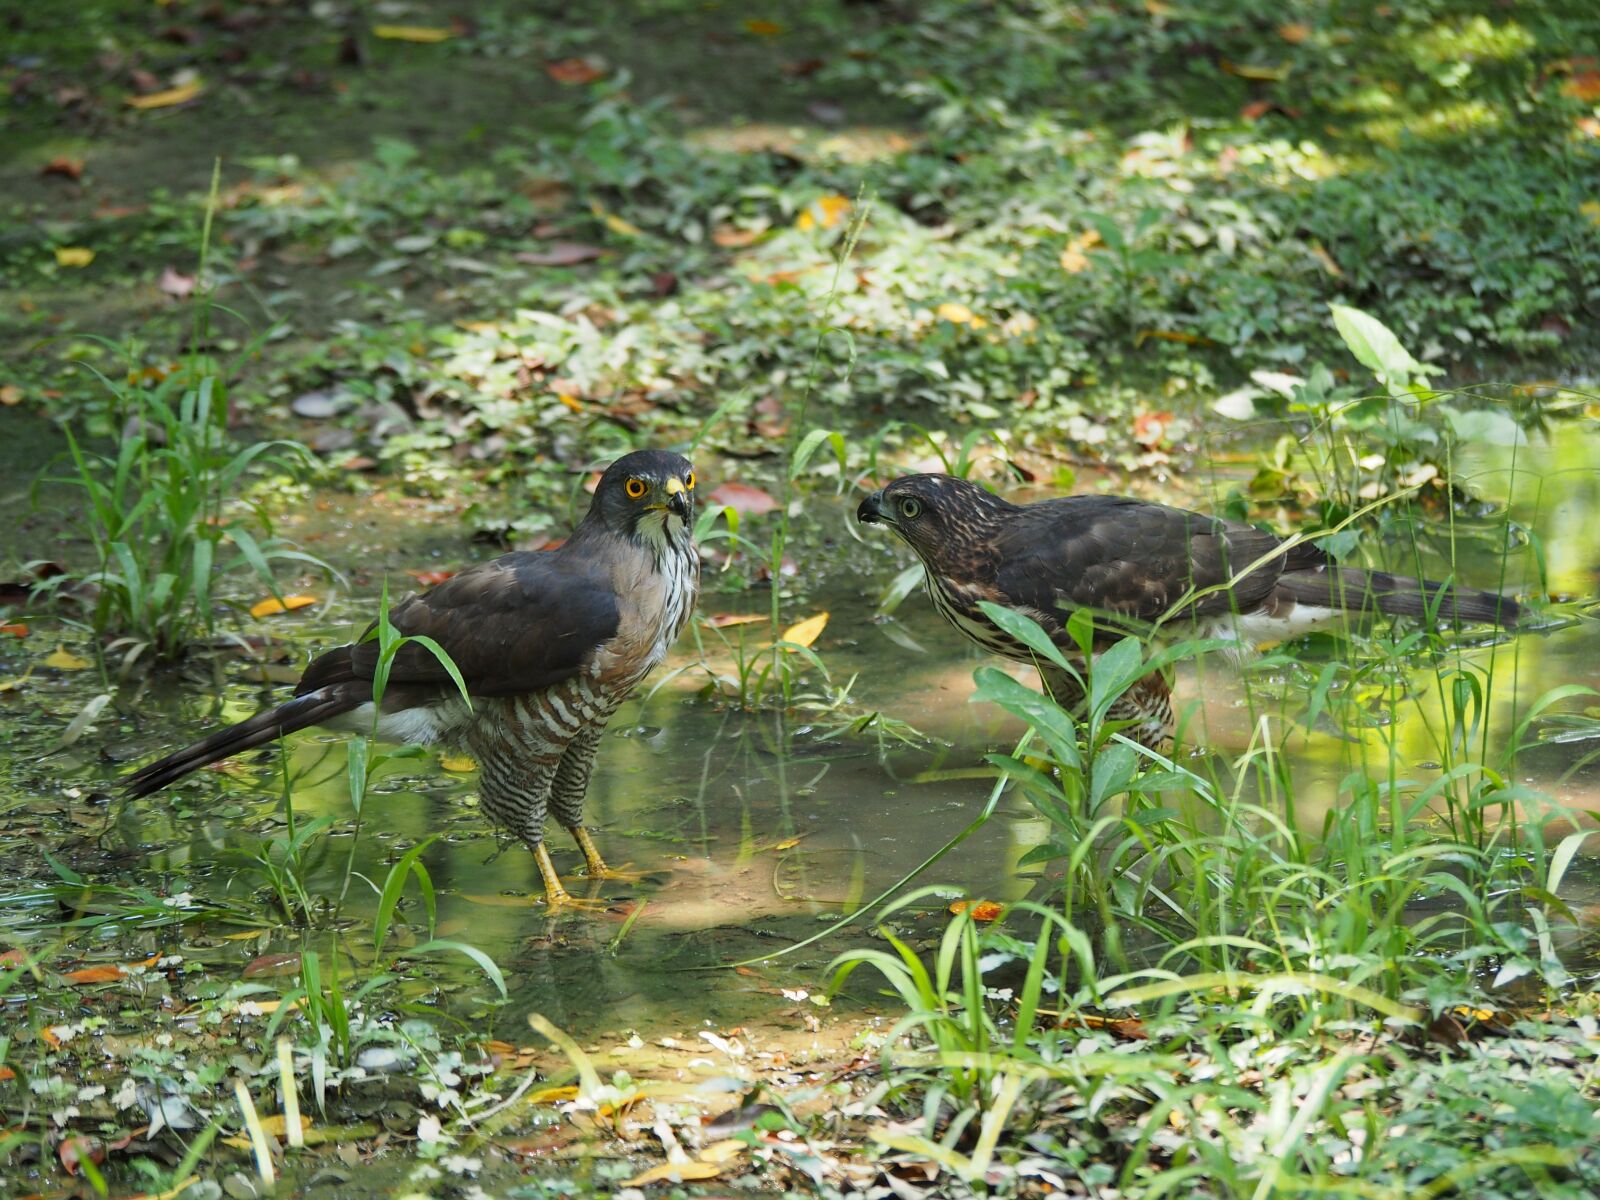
[
  {"x": 565, "y": 901},
  {"x": 625, "y": 872}
]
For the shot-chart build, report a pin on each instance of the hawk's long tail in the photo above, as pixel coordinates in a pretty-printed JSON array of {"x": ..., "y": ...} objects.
[
  {"x": 1354, "y": 590},
  {"x": 312, "y": 708}
]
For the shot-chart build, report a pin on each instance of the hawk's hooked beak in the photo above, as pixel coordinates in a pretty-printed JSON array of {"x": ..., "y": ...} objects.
[
  {"x": 678, "y": 499},
  {"x": 870, "y": 510}
]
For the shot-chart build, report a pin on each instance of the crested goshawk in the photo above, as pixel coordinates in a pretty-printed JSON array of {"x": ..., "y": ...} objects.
[
  {"x": 1132, "y": 563},
  {"x": 548, "y": 643}
]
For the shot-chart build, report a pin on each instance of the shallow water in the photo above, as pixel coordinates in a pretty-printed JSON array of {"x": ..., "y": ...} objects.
[{"x": 750, "y": 831}]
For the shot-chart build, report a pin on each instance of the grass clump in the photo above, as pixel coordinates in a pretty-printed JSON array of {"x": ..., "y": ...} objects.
[{"x": 165, "y": 516}]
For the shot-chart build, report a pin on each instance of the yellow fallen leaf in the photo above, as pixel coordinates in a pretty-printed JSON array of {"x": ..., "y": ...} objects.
[
  {"x": 682, "y": 1172},
  {"x": 956, "y": 314},
  {"x": 1251, "y": 71},
  {"x": 613, "y": 222},
  {"x": 1170, "y": 335},
  {"x": 553, "y": 1095},
  {"x": 266, "y": 1008},
  {"x": 265, "y": 608},
  {"x": 10, "y": 395},
  {"x": 459, "y": 763},
  {"x": 805, "y": 632},
  {"x": 1327, "y": 260},
  {"x": 764, "y": 28},
  {"x": 74, "y": 256},
  {"x": 1294, "y": 33},
  {"x": 412, "y": 33},
  {"x": 245, "y": 936},
  {"x": 824, "y": 212},
  {"x": 1591, "y": 209},
  {"x": 1075, "y": 259},
  {"x": 63, "y": 659},
  {"x": 277, "y": 1124},
  {"x": 722, "y": 1152},
  {"x": 178, "y": 95}
]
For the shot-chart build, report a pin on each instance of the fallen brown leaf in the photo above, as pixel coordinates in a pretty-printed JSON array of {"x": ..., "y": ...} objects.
[
  {"x": 1129, "y": 1028},
  {"x": 74, "y": 1151},
  {"x": 66, "y": 168},
  {"x": 1150, "y": 428},
  {"x": 430, "y": 578},
  {"x": 731, "y": 237},
  {"x": 1294, "y": 33},
  {"x": 10, "y": 395},
  {"x": 1583, "y": 85},
  {"x": 980, "y": 910},
  {"x": 271, "y": 964},
  {"x": 743, "y": 498},
  {"x": 175, "y": 283},
  {"x": 105, "y": 973},
  {"x": 724, "y": 620},
  {"x": 573, "y": 71}
]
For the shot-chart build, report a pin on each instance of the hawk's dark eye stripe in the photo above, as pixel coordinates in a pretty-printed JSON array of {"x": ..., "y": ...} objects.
[{"x": 636, "y": 488}]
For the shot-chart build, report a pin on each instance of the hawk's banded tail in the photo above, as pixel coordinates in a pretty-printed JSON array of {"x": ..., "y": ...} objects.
[
  {"x": 1354, "y": 590},
  {"x": 312, "y": 708}
]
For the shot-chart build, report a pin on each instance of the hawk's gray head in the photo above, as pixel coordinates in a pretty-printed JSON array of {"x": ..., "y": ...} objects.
[{"x": 648, "y": 496}]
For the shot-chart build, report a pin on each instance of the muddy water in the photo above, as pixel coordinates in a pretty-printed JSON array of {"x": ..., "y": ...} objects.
[{"x": 750, "y": 831}]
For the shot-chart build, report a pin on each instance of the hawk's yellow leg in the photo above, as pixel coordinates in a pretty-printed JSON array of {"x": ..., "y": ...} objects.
[
  {"x": 596, "y": 866},
  {"x": 555, "y": 895}
]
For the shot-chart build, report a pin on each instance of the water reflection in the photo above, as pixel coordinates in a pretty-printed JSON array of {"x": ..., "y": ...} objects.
[{"x": 752, "y": 830}]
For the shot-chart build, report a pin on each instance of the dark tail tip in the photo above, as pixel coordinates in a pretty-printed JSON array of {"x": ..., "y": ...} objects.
[{"x": 309, "y": 709}]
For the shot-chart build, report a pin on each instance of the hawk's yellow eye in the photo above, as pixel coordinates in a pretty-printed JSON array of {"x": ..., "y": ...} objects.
[
  {"x": 689, "y": 482},
  {"x": 636, "y": 488}
]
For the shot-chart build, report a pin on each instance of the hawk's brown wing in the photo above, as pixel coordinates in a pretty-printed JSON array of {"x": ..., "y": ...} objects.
[
  {"x": 517, "y": 624},
  {"x": 1135, "y": 559}
]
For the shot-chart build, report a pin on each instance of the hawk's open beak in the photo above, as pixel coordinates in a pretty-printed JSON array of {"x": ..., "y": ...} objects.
[
  {"x": 870, "y": 510},
  {"x": 678, "y": 499}
]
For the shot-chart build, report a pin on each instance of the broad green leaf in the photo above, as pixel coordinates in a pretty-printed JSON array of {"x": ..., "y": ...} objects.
[{"x": 1377, "y": 349}]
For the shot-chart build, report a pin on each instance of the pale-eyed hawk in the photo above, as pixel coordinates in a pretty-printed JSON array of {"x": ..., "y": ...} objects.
[{"x": 1131, "y": 563}]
